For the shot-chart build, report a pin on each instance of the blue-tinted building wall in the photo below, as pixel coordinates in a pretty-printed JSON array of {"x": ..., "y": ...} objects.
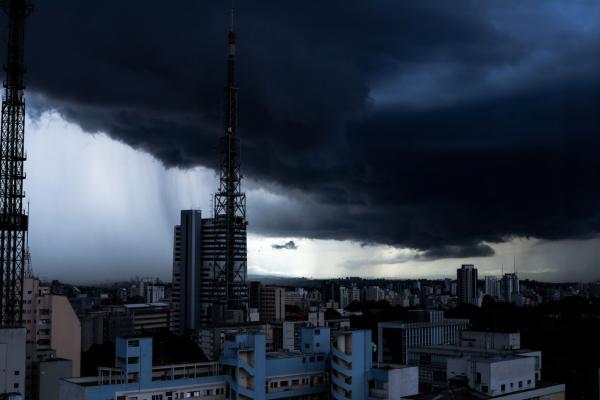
[
  {"x": 247, "y": 370},
  {"x": 351, "y": 360},
  {"x": 134, "y": 358},
  {"x": 244, "y": 361}
]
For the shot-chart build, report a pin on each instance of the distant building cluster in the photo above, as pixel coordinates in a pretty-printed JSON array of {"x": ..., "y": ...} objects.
[{"x": 424, "y": 352}]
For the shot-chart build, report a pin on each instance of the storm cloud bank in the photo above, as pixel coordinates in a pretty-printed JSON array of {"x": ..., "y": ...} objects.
[{"x": 438, "y": 126}]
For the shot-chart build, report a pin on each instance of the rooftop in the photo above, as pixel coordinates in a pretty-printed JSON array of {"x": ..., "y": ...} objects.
[
  {"x": 455, "y": 350},
  {"x": 401, "y": 324},
  {"x": 464, "y": 393},
  {"x": 145, "y": 305}
]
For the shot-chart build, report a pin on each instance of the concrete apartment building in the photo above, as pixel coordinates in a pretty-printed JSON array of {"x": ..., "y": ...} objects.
[
  {"x": 53, "y": 331},
  {"x": 423, "y": 328},
  {"x": 268, "y": 300},
  {"x": 466, "y": 279},
  {"x": 272, "y": 303},
  {"x": 110, "y": 322},
  {"x": 51, "y": 322},
  {"x": 245, "y": 370},
  {"x": 198, "y": 297}
]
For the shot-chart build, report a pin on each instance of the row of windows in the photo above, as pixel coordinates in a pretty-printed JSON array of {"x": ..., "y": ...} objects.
[
  {"x": 180, "y": 395},
  {"x": 41, "y": 321},
  {"x": 294, "y": 382},
  {"x": 29, "y": 301}
]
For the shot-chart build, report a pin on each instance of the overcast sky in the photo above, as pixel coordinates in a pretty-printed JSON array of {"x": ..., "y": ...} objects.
[{"x": 383, "y": 138}]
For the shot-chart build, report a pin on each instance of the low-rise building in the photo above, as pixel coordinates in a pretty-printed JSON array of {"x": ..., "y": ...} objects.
[
  {"x": 491, "y": 364},
  {"x": 12, "y": 360},
  {"x": 423, "y": 328},
  {"x": 246, "y": 370}
]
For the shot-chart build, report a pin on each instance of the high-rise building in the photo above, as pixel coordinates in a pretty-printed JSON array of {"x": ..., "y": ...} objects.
[
  {"x": 185, "y": 295},
  {"x": 510, "y": 288},
  {"x": 254, "y": 294},
  {"x": 330, "y": 291},
  {"x": 344, "y": 297},
  {"x": 466, "y": 277},
  {"x": 492, "y": 286},
  {"x": 209, "y": 254},
  {"x": 154, "y": 292},
  {"x": 53, "y": 331},
  {"x": 268, "y": 300},
  {"x": 272, "y": 303},
  {"x": 374, "y": 293},
  {"x": 354, "y": 293}
]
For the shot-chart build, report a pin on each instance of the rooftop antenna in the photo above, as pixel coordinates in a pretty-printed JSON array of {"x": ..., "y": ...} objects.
[
  {"x": 515, "y": 264},
  {"x": 502, "y": 269},
  {"x": 232, "y": 12}
]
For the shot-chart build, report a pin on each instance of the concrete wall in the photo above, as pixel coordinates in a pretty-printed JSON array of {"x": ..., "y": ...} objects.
[
  {"x": 491, "y": 340},
  {"x": 50, "y": 374},
  {"x": 509, "y": 373},
  {"x": 65, "y": 332},
  {"x": 403, "y": 382},
  {"x": 315, "y": 340},
  {"x": 12, "y": 360}
]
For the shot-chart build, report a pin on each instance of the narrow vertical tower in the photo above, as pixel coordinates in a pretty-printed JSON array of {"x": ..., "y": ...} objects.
[
  {"x": 13, "y": 218},
  {"x": 230, "y": 202}
]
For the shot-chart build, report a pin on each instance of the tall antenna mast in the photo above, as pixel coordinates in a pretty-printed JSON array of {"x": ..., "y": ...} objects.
[
  {"x": 230, "y": 201},
  {"x": 13, "y": 218}
]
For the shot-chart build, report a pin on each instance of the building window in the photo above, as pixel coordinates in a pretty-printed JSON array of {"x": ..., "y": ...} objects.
[
  {"x": 520, "y": 384},
  {"x": 503, "y": 387},
  {"x": 133, "y": 343},
  {"x": 317, "y": 332},
  {"x": 17, "y": 372},
  {"x": 133, "y": 360},
  {"x": 484, "y": 389},
  {"x": 478, "y": 379}
]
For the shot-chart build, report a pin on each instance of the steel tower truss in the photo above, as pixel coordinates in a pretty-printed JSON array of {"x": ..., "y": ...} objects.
[
  {"x": 230, "y": 204},
  {"x": 13, "y": 217}
]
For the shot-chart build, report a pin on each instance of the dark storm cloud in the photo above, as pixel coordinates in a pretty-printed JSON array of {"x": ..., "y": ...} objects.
[
  {"x": 427, "y": 124},
  {"x": 285, "y": 246}
]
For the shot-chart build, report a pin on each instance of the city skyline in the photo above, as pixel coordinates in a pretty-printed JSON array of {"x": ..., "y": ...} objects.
[
  {"x": 327, "y": 186},
  {"x": 376, "y": 200}
]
